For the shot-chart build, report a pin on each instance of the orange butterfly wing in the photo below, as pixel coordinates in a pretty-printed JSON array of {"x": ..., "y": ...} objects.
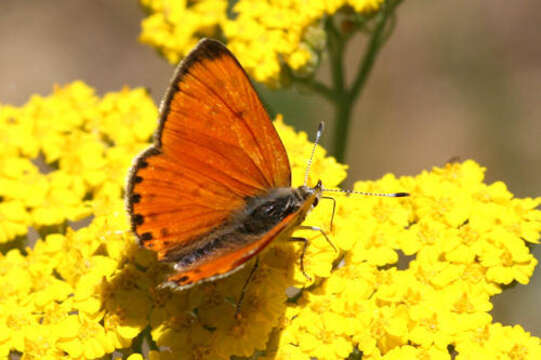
[{"x": 215, "y": 146}]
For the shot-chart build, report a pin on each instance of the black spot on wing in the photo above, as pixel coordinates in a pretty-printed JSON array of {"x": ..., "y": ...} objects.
[
  {"x": 135, "y": 178},
  {"x": 138, "y": 219}
]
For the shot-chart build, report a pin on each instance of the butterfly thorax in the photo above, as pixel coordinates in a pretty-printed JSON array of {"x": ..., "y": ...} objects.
[
  {"x": 277, "y": 212},
  {"x": 262, "y": 213}
]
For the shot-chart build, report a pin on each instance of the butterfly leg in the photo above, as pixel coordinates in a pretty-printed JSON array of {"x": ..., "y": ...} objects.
[
  {"x": 315, "y": 228},
  {"x": 333, "y": 208},
  {"x": 305, "y": 241},
  {"x": 245, "y": 286}
]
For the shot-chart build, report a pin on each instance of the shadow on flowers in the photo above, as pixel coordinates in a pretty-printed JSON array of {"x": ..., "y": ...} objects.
[{"x": 200, "y": 320}]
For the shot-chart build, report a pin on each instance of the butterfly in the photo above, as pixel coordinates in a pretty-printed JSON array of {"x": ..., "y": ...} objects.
[
  {"x": 214, "y": 190},
  {"x": 215, "y": 187}
]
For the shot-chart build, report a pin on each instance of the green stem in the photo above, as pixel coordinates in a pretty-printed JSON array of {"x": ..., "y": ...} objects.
[
  {"x": 348, "y": 97},
  {"x": 342, "y": 97},
  {"x": 336, "y": 53},
  {"x": 342, "y": 105},
  {"x": 342, "y": 119},
  {"x": 374, "y": 45}
]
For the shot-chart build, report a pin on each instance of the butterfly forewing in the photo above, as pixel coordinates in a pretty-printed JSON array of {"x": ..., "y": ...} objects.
[{"x": 215, "y": 105}]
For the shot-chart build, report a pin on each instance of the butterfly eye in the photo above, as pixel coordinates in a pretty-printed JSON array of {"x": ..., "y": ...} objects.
[{"x": 316, "y": 201}]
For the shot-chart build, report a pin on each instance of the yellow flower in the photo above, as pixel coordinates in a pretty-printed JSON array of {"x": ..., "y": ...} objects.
[
  {"x": 408, "y": 352},
  {"x": 14, "y": 220},
  {"x": 125, "y": 117},
  {"x": 497, "y": 341},
  {"x": 63, "y": 199},
  {"x": 4, "y": 340},
  {"x": 135, "y": 357},
  {"x": 127, "y": 305},
  {"x": 17, "y": 317},
  {"x": 39, "y": 344},
  {"x": 87, "y": 339},
  {"x": 85, "y": 152},
  {"x": 174, "y": 27}
]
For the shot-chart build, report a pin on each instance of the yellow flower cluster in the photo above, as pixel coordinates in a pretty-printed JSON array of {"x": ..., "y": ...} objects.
[
  {"x": 263, "y": 34},
  {"x": 417, "y": 274},
  {"x": 65, "y": 157},
  {"x": 411, "y": 278},
  {"x": 58, "y": 151},
  {"x": 173, "y": 27}
]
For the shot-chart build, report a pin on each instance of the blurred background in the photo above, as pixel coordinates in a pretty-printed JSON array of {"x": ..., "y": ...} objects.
[{"x": 457, "y": 78}]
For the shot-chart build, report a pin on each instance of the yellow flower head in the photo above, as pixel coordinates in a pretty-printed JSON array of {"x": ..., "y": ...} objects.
[
  {"x": 174, "y": 27},
  {"x": 410, "y": 277},
  {"x": 267, "y": 36}
]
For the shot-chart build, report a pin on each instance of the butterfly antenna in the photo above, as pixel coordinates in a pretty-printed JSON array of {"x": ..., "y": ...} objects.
[
  {"x": 397, "y": 194},
  {"x": 309, "y": 163}
]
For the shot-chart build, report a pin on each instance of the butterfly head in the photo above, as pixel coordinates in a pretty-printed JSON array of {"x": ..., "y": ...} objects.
[{"x": 309, "y": 194}]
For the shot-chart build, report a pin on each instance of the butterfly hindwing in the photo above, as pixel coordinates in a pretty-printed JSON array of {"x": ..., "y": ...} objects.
[{"x": 219, "y": 266}]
